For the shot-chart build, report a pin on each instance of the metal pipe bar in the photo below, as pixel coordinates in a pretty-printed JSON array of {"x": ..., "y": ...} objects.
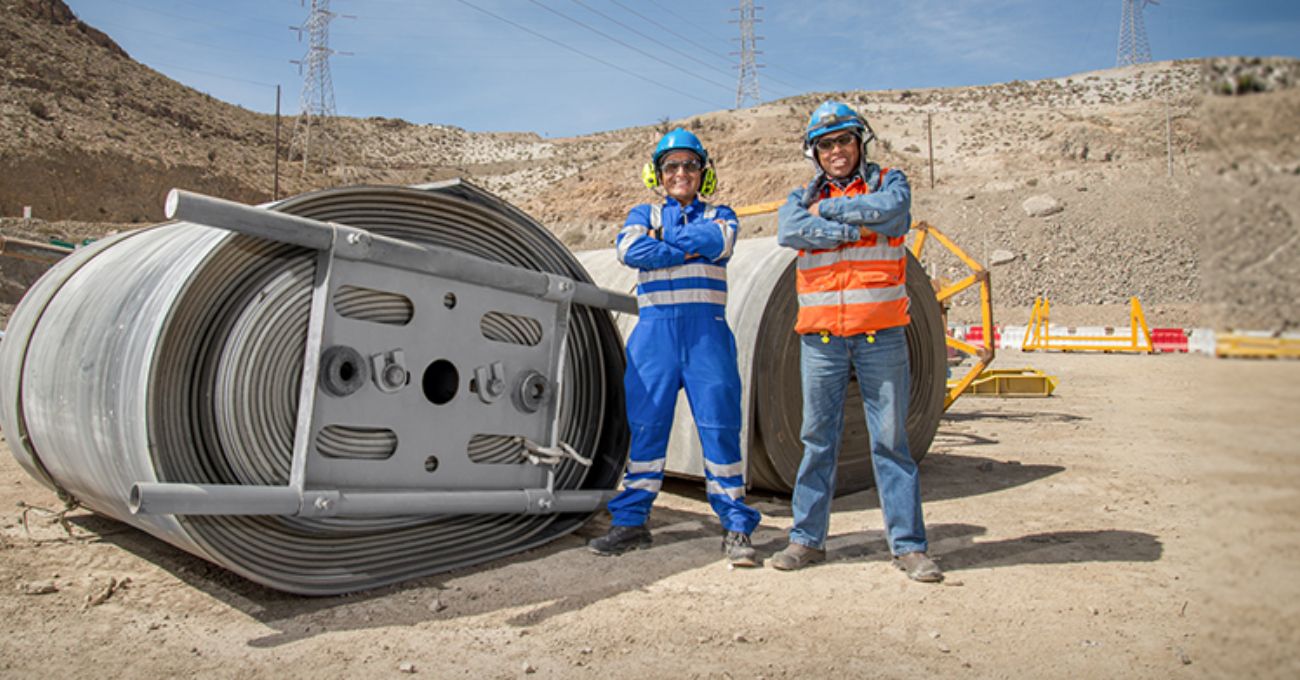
[
  {"x": 32, "y": 251},
  {"x": 524, "y": 501},
  {"x": 354, "y": 243},
  {"x": 159, "y": 498}
]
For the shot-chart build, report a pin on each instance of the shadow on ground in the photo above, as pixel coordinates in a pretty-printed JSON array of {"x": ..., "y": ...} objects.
[
  {"x": 944, "y": 476},
  {"x": 955, "y": 548},
  {"x": 561, "y": 576},
  {"x": 1007, "y": 415},
  {"x": 541, "y": 583}
]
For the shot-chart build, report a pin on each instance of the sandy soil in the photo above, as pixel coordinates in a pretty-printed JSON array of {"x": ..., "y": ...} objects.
[{"x": 1143, "y": 522}]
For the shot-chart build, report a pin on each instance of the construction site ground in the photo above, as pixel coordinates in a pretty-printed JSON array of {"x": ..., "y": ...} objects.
[{"x": 1142, "y": 522}]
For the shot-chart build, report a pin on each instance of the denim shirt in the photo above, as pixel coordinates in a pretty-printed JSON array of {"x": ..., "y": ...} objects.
[{"x": 886, "y": 211}]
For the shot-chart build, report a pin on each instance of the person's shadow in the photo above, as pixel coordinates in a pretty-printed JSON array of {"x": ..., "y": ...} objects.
[
  {"x": 951, "y": 471},
  {"x": 954, "y": 547}
]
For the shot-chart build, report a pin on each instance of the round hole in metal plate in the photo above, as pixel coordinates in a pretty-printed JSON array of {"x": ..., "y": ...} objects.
[{"x": 440, "y": 381}]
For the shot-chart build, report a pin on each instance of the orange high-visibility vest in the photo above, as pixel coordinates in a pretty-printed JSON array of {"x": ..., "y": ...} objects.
[{"x": 859, "y": 287}]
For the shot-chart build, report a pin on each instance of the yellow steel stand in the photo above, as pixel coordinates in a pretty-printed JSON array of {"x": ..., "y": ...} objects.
[
  {"x": 759, "y": 208},
  {"x": 1038, "y": 337},
  {"x": 1251, "y": 347},
  {"x": 1013, "y": 382},
  {"x": 979, "y": 275}
]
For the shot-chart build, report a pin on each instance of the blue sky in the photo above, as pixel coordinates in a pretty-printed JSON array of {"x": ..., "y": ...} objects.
[{"x": 568, "y": 67}]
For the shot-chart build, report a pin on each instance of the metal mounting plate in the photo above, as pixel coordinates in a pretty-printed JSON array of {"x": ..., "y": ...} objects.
[{"x": 443, "y": 345}]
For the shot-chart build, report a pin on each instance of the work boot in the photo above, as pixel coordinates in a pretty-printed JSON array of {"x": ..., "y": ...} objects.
[
  {"x": 620, "y": 539},
  {"x": 919, "y": 567},
  {"x": 796, "y": 556},
  {"x": 740, "y": 553}
]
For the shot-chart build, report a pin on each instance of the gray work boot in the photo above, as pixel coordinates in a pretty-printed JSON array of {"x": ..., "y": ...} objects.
[
  {"x": 919, "y": 567},
  {"x": 739, "y": 551},
  {"x": 796, "y": 556},
  {"x": 620, "y": 540}
]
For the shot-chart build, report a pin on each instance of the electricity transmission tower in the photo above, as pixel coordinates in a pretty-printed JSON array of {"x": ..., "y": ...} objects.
[
  {"x": 312, "y": 133},
  {"x": 747, "y": 82},
  {"x": 1133, "y": 45}
]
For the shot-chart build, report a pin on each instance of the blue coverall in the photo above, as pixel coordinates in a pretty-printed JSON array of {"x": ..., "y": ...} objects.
[{"x": 682, "y": 340}]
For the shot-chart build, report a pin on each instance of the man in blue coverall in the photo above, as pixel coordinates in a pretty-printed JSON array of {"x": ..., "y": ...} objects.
[{"x": 680, "y": 249}]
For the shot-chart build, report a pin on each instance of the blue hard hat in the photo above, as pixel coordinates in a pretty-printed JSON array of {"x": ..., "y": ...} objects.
[
  {"x": 679, "y": 140},
  {"x": 833, "y": 116}
]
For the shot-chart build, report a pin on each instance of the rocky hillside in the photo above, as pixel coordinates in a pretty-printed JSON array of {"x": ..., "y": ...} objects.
[{"x": 1176, "y": 182}]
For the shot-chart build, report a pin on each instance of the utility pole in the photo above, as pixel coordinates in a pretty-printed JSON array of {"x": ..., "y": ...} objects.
[
  {"x": 275, "y": 191},
  {"x": 747, "y": 80},
  {"x": 316, "y": 103},
  {"x": 1169, "y": 140},
  {"x": 1133, "y": 46},
  {"x": 929, "y": 138}
]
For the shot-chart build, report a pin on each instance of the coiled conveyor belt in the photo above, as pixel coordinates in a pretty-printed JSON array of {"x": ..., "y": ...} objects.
[{"x": 175, "y": 359}]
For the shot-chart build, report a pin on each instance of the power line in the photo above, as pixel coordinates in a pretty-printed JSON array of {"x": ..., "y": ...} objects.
[
  {"x": 677, "y": 35},
  {"x": 584, "y": 54},
  {"x": 793, "y": 88},
  {"x": 204, "y": 22},
  {"x": 624, "y": 44},
  {"x": 685, "y": 21},
  {"x": 132, "y": 30},
  {"x": 674, "y": 32},
  {"x": 214, "y": 75},
  {"x": 650, "y": 38}
]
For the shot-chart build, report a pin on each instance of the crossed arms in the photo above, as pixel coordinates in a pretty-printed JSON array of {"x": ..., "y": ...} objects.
[{"x": 886, "y": 211}]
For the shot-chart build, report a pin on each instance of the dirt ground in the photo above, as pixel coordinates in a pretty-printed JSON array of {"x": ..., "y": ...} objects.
[{"x": 1142, "y": 522}]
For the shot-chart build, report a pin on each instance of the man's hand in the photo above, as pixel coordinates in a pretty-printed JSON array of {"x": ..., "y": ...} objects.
[{"x": 815, "y": 209}]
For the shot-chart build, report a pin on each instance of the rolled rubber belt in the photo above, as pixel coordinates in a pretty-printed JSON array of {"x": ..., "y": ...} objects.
[
  {"x": 221, "y": 362},
  {"x": 776, "y": 449}
]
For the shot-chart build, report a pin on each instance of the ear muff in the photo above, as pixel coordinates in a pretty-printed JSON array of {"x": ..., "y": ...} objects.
[
  {"x": 710, "y": 182},
  {"x": 649, "y": 176}
]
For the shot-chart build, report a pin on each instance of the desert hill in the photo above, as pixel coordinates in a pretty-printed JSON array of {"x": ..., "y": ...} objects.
[{"x": 1152, "y": 180}]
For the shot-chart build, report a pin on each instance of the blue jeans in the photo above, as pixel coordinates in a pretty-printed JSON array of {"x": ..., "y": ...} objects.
[{"x": 883, "y": 378}]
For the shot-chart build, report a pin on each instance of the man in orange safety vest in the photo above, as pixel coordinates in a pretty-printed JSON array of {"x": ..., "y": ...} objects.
[{"x": 849, "y": 226}]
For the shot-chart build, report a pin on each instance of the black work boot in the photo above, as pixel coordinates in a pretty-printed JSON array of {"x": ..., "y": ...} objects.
[
  {"x": 620, "y": 540},
  {"x": 739, "y": 551}
]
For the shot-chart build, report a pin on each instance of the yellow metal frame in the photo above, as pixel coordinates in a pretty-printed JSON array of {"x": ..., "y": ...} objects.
[
  {"x": 1038, "y": 337},
  {"x": 1013, "y": 382},
  {"x": 979, "y": 276},
  {"x": 759, "y": 208},
  {"x": 1252, "y": 347}
]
